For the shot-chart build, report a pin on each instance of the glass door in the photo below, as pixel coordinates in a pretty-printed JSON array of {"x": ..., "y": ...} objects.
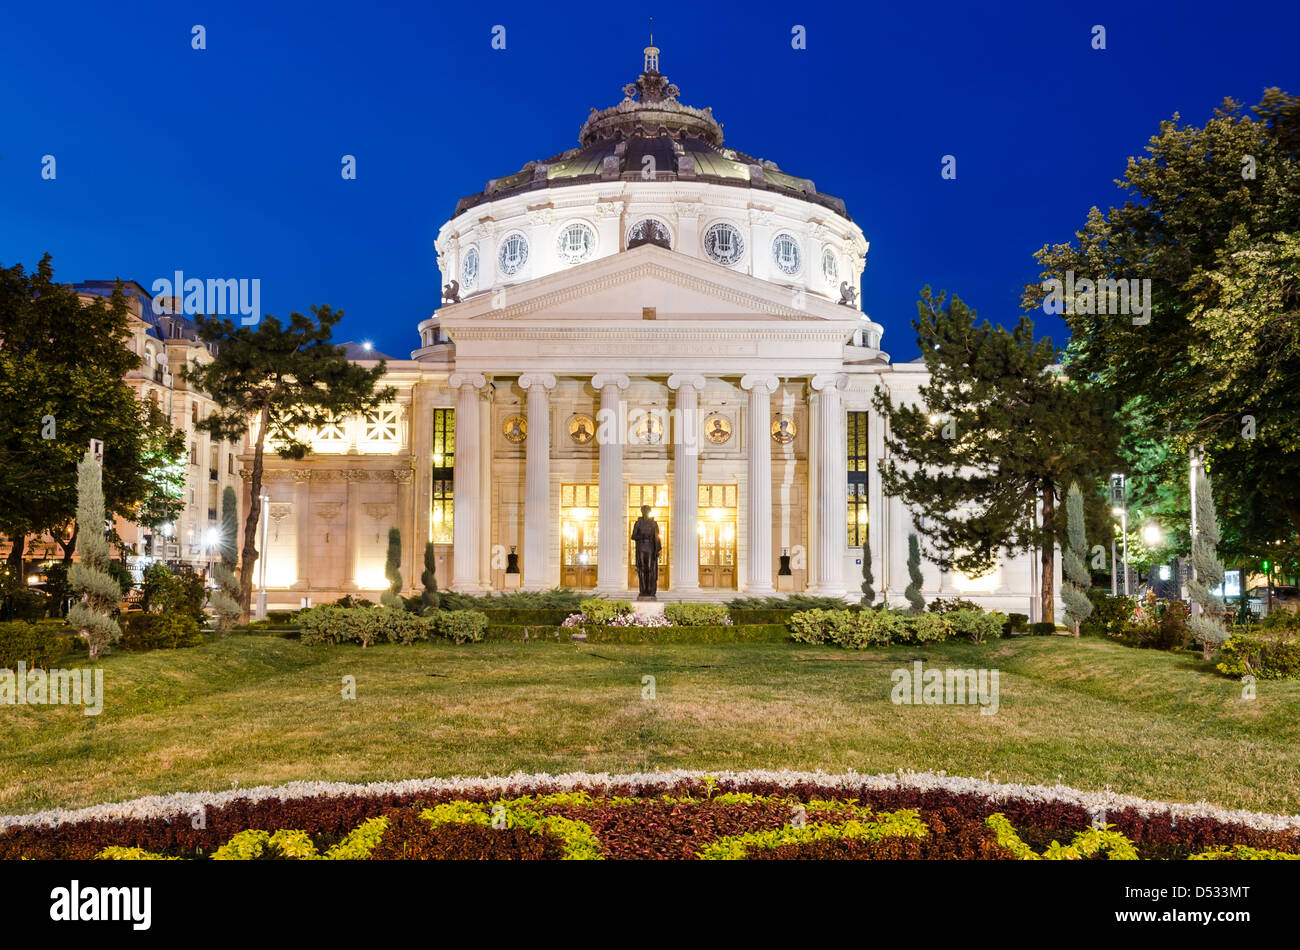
[
  {"x": 579, "y": 521},
  {"x": 717, "y": 531}
]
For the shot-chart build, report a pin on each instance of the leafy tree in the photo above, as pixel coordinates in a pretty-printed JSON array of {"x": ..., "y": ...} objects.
[
  {"x": 62, "y": 369},
  {"x": 162, "y": 453},
  {"x": 1073, "y": 563},
  {"x": 913, "y": 591},
  {"x": 278, "y": 380},
  {"x": 999, "y": 433},
  {"x": 1207, "y": 626},
  {"x": 868, "y": 590},
  {"x": 225, "y": 599},
  {"x": 393, "y": 570},
  {"x": 1212, "y": 220},
  {"x": 429, "y": 579},
  {"x": 93, "y": 615}
]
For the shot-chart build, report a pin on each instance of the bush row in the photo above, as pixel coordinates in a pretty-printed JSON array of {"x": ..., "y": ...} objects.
[
  {"x": 599, "y": 633},
  {"x": 37, "y": 644},
  {"x": 867, "y": 628},
  {"x": 1265, "y": 655},
  {"x": 142, "y": 631},
  {"x": 367, "y": 625}
]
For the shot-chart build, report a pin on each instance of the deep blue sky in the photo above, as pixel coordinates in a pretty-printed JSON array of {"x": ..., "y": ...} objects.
[{"x": 225, "y": 163}]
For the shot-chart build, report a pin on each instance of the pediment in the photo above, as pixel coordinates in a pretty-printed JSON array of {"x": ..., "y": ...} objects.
[{"x": 680, "y": 289}]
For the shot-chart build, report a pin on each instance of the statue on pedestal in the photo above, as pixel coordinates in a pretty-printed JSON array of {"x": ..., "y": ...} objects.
[{"x": 645, "y": 539}]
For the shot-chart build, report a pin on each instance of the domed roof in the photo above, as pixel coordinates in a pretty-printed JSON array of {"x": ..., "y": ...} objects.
[{"x": 684, "y": 143}]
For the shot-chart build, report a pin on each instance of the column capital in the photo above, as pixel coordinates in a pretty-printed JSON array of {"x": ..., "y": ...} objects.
[
  {"x": 829, "y": 381},
  {"x": 759, "y": 380},
  {"x": 601, "y": 380},
  {"x": 543, "y": 380},
  {"x": 678, "y": 380},
  {"x": 458, "y": 380}
]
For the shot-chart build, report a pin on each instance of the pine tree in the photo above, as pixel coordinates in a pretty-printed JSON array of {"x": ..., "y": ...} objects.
[
  {"x": 393, "y": 571},
  {"x": 429, "y": 579},
  {"x": 913, "y": 592},
  {"x": 868, "y": 590},
  {"x": 274, "y": 382},
  {"x": 93, "y": 615},
  {"x": 1073, "y": 563},
  {"x": 1207, "y": 627},
  {"x": 225, "y": 599},
  {"x": 998, "y": 434}
]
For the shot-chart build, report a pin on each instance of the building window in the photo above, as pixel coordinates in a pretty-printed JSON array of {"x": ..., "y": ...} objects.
[
  {"x": 575, "y": 243},
  {"x": 513, "y": 254},
  {"x": 194, "y": 413},
  {"x": 332, "y": 432},
  {"x": 469, "y": 269},
  {"x": 444, "y": 463},
  {"x": 723, "y": 244},
  {"x": 230, "y": 463},
  {"x": 381, "y": 425},
  {"x": 857, "y": 469},
  {"x": 785, "y": 253}
]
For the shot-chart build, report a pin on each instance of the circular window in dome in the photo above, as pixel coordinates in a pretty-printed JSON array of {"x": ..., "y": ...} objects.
[
  {"x": 649, "y": 231},
  {"x": 723, "y": 243},
  {"x": 830, "y": 267},
  {"x": 575, "y": 243},
  {"x": 785, "y": 253},
  {"x": 469, "y": 270},
  {"x": 513, "y": 254}
]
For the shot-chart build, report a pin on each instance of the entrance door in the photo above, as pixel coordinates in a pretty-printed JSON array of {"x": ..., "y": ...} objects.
[
  {"x": 579, "y": 520},
  {"x": 717, "y": 528},
  {"x": 656, "y": 496}
]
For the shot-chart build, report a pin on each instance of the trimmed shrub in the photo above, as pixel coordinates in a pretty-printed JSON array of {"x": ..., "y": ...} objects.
[
  {"x": 737, "y": 633},
  {"x": 1015, "y": 623},
  {"x": 35, "y": 644},
  {"x": 561, "y": 598},
  {"x": 1265, "y": 656},
  {"x": 364, "y": 625},
  {"x": 525, "y": 616},
  {"x": 850, "y": 629},
  {"x": 975, "y": 625},
  {"x": 941, "y": 606},
  {"x": 1045, "y": 628},
  {"x": 928, "y": 628},
  {"x": 1110, "y": 615},
  {"x": 600, "y": 611},
  {"x": 759, "y": 615},
  {"x": 143, "y": 631},
  {"x": 461, "y": 626},
  {"x": 698, "y": 615},
  {"x": 788, "y": 602}
]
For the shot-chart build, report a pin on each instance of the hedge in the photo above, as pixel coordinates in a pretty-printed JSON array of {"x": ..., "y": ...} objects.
[
  {"x": 367, "y": 625},
  {"x": 1265, "y": 656},
  {"x": 739, "y": 633},
  {"x": 553, "y": 616},
  {"x": 145, "y": 631},
  {"x": 36, "y": 644},
  {"x": 697, "y": 615}
]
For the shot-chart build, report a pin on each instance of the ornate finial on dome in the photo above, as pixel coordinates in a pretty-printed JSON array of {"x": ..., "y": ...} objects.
[{"x": 652, "y": 51}]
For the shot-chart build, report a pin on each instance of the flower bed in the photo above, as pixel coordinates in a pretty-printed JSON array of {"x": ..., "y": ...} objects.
[{"x": 671, "y": 815}]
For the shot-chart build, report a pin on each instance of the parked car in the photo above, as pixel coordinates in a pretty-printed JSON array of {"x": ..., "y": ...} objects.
[{"x": 1284, "y": 598}]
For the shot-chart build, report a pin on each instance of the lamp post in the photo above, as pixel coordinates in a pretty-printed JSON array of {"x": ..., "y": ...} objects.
[
  {"x": 261, "y": 561},
  {"x": 1119, "y": 507}
]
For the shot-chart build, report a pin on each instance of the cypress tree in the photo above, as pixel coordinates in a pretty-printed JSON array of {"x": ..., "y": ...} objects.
[
  {"x": 224, "y": 601},
  {"x": 393, "y": 571},
  {"x": 868, "y": 591},
  {"x": 1077, "y": 578},
  {"x": 913, "y": 592},
  {"x": 429, "y": 579},
  {"x": 93, "y": 615},
  {"x": 1207, "y": 627}
]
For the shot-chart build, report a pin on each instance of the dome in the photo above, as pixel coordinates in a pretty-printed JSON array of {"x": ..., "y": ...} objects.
[{"x": 648, "y": 134}]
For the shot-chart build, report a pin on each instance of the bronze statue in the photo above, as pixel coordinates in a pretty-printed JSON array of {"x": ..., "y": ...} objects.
[{"x": 645, "y": 537}]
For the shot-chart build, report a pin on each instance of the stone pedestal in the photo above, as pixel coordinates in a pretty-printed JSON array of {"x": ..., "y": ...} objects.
[{"x": 648, "y": 608}]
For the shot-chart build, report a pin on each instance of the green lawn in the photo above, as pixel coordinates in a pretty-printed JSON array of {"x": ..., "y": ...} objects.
[{"x": 259, "y": 709}]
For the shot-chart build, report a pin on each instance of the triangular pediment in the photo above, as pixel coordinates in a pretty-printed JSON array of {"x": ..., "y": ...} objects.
[{"x": 630, "y": 285}]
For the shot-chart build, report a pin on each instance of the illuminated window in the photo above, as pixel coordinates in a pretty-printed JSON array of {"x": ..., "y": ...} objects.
[
  {"x": 444, "y": 460},
  {"x": 381, "y": 425},
  {"x": 331, "y": 431},
  {"x": 857, "y": 472}
]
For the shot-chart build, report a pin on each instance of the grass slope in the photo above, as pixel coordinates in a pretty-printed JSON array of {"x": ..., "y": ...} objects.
[{"x": 259, "y": 709}]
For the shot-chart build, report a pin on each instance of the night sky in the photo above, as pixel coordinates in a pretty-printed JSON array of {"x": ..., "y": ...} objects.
[{"x": 225, "y": 162}]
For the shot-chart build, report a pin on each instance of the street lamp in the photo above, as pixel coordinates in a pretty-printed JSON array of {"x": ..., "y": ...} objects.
[
  {"x": 1151, "y": 533},
  {"x": 1119, "y": 508}
]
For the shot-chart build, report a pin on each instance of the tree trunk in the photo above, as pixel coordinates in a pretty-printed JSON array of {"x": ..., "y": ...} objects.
[
  {"x": 19, "y": 546},
  {"x": 1048, "y": 559},
  {"x": 248, "y": 556},
  {"x": 69, "y": 546}
]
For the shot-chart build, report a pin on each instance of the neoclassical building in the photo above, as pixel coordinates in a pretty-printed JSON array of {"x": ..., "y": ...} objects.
[{"x": 652, "y": 317}]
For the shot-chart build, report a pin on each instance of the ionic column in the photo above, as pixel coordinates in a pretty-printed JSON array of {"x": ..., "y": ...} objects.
[
  {"x": 611, "y": 538},
  {"x": 537, "y": 478},
  {"x": 465, "y": 523},
  {"x": 684, "y": 556},
  {"x": 301, "y": 502},
  {"x": 832, "y": 501},
  {"x": 758, "y": 511}
]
